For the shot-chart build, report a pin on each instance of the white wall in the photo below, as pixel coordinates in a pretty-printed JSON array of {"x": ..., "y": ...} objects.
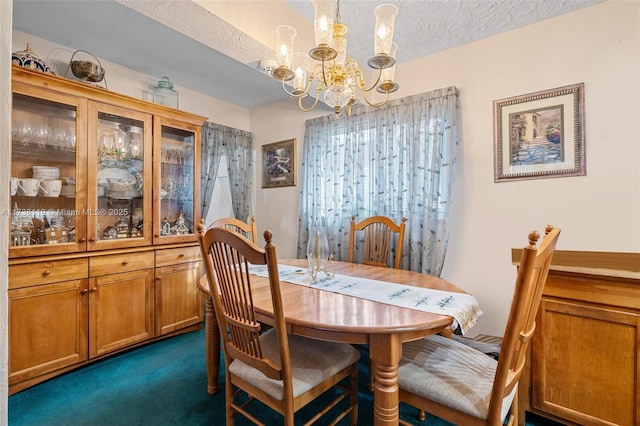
[{"x": 599, "y": 46}]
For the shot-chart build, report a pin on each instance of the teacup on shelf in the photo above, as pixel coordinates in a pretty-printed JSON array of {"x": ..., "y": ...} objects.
[
  {"x": 28, "y": 187},
  {"x": 50, "y": 187}
]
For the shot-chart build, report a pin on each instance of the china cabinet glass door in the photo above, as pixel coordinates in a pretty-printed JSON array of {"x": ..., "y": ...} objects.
[
  {"x": 119, "y": 178},
  {"x": 46, "y": 163},
  {"x": 176, "y": 171}
]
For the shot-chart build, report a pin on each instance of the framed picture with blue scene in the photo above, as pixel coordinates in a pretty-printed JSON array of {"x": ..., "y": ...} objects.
[{"x": 540, "y": 135}]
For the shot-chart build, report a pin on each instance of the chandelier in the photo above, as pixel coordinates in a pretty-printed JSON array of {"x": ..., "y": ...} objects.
[{"x": 335, "y": 73}]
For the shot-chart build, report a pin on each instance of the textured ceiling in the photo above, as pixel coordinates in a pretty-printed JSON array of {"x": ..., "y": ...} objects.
[{"x": 214, "y": 47}]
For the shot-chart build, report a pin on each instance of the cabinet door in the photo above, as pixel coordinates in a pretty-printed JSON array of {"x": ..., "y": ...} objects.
[
  {"x": 119, "y": 177},
  {"x": 176, "y": 181},
  {"x": 179, "y": 304},
  {"x": 47, "y": 328},
  {"x": 585, "y": 363},
  {"x": 121, "y": 310},
  {"x": 47, "y": 172}
]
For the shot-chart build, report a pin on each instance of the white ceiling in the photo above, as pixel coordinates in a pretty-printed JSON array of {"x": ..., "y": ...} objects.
[{"x": 215, "y": 47}]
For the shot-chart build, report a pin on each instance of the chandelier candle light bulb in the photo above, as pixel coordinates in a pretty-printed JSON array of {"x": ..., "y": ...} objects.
[
  {"x": 335, "y": 73},
  {"x": 388, "y": 74},
  {"x": 323, "y": 29}
]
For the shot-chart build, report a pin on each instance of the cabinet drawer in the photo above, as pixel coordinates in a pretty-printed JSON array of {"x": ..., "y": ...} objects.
[
  {"x": 116, "y": 263},
  {"x": 177, "y": 255},
  {"x": 620, "y": 292},
  {"x": 29, "y": 274}
]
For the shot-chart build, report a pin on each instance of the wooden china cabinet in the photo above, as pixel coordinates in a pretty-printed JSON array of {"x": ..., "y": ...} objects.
[{"x": 106, "y": 258}]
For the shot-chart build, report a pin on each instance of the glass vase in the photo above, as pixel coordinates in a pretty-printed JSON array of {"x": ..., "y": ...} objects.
[{"x": 317, "y": 251}]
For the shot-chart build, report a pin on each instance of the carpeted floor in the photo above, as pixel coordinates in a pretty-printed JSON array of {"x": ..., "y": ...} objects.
[{"x": 163, "y": 383}]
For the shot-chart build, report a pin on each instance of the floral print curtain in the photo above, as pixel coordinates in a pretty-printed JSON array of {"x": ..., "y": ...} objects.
[
  {"x": 398, "y": 161},
  {"x": 218, "y": 140}
]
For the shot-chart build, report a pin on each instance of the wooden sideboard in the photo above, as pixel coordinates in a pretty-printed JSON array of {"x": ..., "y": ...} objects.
[{"x": 583, "y": 365}]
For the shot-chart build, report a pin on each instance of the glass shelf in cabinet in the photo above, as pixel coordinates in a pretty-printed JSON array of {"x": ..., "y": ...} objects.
[{"x": 48, "y": 154}]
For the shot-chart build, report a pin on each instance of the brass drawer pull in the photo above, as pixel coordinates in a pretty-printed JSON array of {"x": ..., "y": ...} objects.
[{"x": 46, "y": 273}]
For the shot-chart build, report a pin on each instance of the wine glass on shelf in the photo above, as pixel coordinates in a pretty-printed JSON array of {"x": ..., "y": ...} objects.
[
  {"x": 60, "y": 137},
  {"x": 70, "y": 140},
  {"x": 41, "y": 136},
  {"x": 120, "y": 143},
  {"x": 15, "y": 130},
  {"x": 25, "y": 133},
  {"x": 136, "y": 145}
]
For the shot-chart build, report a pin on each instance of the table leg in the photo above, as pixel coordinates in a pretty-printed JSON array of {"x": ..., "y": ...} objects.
[
  {"x": 212, "y": 346},
  {"x": 386, "y": 351}
]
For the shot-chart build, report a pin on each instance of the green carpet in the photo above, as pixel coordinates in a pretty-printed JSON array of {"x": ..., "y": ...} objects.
[{"x": 163, "y": 383}]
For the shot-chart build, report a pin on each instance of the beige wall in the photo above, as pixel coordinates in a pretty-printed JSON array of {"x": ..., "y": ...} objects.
[{"x": 599, "y": 46}]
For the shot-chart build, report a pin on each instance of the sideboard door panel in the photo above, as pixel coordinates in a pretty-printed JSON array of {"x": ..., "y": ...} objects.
[{"x": 585, "y": 364}]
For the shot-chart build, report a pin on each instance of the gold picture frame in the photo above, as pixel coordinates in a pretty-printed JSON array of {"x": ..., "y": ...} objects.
[
  {"x": 279, "y": 164},
  {"x": 540, "y": 135}
]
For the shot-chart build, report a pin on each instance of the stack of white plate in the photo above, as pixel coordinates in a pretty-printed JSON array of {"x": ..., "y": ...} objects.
[
  {"x": 68, "y": 191},
  {"x": 46, "y": 172}
]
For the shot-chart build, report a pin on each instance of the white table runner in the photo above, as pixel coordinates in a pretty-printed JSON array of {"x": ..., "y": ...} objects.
[{"x": 463, "y": 307}]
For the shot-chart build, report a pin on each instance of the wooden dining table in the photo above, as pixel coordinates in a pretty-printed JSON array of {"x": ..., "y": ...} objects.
[{"x": 329, "y": 316}]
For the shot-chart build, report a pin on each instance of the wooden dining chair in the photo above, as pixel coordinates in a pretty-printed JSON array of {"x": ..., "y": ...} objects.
[
  {"x": 212, "y": 347},
  {"x": 284, "y": 372},
  {"x": 378, "y": 231},
  {"x": 459, "y": 384},
  {"x": 249, "y": 230}
]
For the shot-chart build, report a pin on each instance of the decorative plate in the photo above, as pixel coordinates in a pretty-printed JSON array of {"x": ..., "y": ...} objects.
[{"x": 120, "y": 177}]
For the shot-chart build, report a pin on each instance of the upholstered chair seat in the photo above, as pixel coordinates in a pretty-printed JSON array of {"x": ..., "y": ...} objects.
[
  {"x": 312, "y": 362},
  {"x": 450, "y": 373}
]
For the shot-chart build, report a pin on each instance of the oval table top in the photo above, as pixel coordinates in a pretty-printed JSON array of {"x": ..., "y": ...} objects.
[{"x": 327, "y": 315}]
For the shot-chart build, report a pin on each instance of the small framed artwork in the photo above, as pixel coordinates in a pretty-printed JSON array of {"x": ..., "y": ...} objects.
[
  {"x": 279, "y": 164},
  {"x": 540, "y": 135}
]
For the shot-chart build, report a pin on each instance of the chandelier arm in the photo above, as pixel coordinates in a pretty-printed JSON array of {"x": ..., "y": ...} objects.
[
  {"x": 373, "y": 104},
  {"x": 311, "y": 107},
  {"x": 296, "y": 95},
  {"x": 362, "y": 84}
]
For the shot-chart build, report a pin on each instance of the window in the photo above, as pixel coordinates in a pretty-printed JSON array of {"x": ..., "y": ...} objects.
[
  {"x": 396, "y": 161},
  {"x": 221, "y": 198}
]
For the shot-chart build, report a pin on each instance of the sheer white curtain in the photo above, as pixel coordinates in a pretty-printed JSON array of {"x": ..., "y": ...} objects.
[
  {"x": 398, "y": 160},
  {"x": 236, "y": 145}
]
